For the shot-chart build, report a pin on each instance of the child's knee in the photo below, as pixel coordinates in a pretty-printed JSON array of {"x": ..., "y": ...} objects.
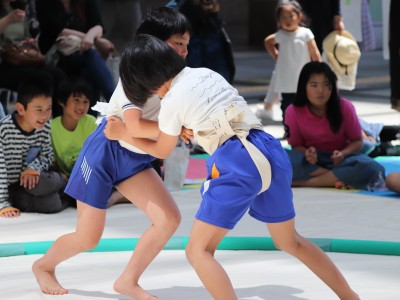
[
  {"x": 89, "y": 243},
  {"x": 197, "y": 254},
  {"x": 176, "y": 218},
  {"x": 170, "y": 220},
  {"x": 190, "y": 253},
  {"x": 288, "y": 245}
]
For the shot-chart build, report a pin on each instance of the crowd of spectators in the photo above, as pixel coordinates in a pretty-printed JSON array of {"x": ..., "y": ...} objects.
[{"x": 93, "y": 31}]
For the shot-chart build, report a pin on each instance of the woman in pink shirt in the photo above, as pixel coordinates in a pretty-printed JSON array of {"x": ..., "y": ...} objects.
[{"x": 325, "y": 135}]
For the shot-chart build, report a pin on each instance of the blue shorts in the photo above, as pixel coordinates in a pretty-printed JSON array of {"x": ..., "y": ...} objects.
[
  {"x": 233, "y": 183},
  {"x": 101, "y": 165}
]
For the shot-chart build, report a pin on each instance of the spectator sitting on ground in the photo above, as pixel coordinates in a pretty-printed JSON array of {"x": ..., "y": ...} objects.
[
  {"x": 70, "y": 130},
  {"x": 26, "y": 154},
  {"x": 80, "y": 19},
  {"x": 325, "y": 135}
]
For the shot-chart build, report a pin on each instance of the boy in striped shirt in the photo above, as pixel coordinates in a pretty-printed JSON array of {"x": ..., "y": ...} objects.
[{"x": 26, "y": 154}]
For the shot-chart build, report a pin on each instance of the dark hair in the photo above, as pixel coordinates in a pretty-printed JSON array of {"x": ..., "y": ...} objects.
[
  {"x": 75, "y": 86},
  {"x": 333, "y": 111},
  {"x": 296, "y": 9},
  {"x": 163, "y": 22},
  {"x": 146, "y": 64},
  {"x": 35, "y": 86}
]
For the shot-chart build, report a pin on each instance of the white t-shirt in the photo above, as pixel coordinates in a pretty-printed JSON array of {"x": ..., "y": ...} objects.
[
  {"x": 119, "y": 103},
  {"x": 196, "y": 94},
  {"x": 293, "y": 55}
]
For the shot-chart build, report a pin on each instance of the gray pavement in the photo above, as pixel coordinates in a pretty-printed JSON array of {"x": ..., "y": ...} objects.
[{"x": 371, "y": 96}]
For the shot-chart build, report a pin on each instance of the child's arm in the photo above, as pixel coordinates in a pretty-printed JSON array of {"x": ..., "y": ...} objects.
[
  {"x": 40, "y": 155},
  {"x": 314, "y": 52},
  {"x": 160, "y": 148},
  {"x": 116, "y": 130},
  {"x": 136, "y": 126},
  {"x": 270, "y": 46}
]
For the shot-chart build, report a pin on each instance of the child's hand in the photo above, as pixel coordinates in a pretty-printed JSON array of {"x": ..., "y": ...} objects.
[
  {"x": 29, "y": 180},
  {"x": 115, "y": 129},
  {"x": 311, "y": 155},
  {"x": 186, "y": 135},
  {"x": 337, "y": 157}
]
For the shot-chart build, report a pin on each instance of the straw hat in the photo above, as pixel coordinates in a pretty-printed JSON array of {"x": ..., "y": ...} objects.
[{"x": 342, "y": 52}]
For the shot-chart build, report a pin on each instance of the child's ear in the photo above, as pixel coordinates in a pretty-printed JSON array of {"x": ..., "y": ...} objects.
[{"x": 19, "y": 108}]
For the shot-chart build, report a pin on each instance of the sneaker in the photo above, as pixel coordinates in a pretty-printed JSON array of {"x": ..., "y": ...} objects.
[{"x": 262, "y": 113}]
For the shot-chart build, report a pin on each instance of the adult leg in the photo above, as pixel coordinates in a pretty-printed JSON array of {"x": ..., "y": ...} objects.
[
  {"x": 287, "y": 239},
  {"x": 88, "y": 232},
  {"x": 204, "y": 239},
  {"x": 147, "y": 191}
]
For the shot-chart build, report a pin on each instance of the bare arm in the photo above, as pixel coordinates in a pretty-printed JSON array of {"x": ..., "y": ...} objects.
[
  {"x": 339, "y": 155},
  {"x": 14, "y": 16},
  {"x": 338, "y": 23},
  {"x": 314, "y": 52},
  {"x": 160, "y": 148},
  {"x": 94, "y": 33},
  {"x": 88, "y": 39},
  {"x": 139, "y": 127},
  {"x": 270, "y": 46},
  {"x": 353, "y": 147},
  {"x": 134, "y": 126}
]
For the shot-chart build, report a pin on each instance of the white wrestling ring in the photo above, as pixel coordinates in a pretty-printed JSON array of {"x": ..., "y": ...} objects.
[{"x": 324, "y": 215}]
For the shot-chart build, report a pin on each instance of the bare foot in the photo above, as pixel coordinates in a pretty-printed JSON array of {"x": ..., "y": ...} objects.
[
  {"x": 132, "y": 290},
  {"x": 47, "y": 280}
]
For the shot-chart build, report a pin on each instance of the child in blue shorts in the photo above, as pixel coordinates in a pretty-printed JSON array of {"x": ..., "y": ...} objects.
[
  {"x": 248, "y": 170},
  {"x": 103, "y": 164}
]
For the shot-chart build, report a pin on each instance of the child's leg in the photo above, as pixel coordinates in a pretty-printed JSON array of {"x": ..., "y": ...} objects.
[
  {"x": 43, "y": 198},
  {"x": 287, "y": 239},
  {"x": 322, "y": 178},
  {"x": 204, "y": 239},
  {"x": 147, "y": 191},
  {"x": 86, "y": 236}
]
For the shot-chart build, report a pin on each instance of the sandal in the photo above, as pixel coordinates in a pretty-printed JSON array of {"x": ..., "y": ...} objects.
[{"x": 340, "y": 185}]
